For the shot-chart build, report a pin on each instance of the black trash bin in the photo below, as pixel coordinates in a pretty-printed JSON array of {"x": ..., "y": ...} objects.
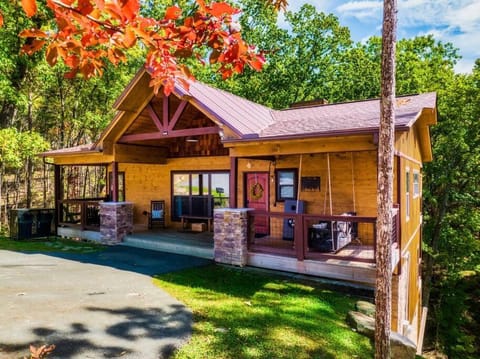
[
  {"x": 44, "y": 224},
  {"x": 25, "y": 225}
]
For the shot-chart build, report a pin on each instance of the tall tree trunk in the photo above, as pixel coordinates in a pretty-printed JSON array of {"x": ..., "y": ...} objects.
[{"x": 383, "y": 283}]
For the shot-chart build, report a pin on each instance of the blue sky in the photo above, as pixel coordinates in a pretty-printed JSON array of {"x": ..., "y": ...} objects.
[{"x": 454, "y": 21}]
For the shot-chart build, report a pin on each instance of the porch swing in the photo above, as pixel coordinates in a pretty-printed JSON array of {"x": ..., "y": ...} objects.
[{"x": 332, "y": 236}]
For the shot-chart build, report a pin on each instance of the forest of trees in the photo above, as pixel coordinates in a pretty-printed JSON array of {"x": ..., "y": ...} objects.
[{"x": 315, "y": 58}]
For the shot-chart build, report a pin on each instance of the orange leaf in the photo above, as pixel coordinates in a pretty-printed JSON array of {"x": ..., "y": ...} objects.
[
  {"x": 226, "y": 73},
  {"x": 257, "y": 63},
  {"x": 130, "y": 8},
  {"x": 30, "y": 7},
  {"x": 114, "y": 10},
  {"x": 100, "y": 4},
  {"x": 173, "y": 13},
  {"x": 201, "y": 5},
  {"x": 33, "y": 47},
  {"x": 71, "y": 74},
  {"x": 1, "y": 19},
  {"x": 33, "y": 33},
  {"x": 85, "y": 7},
  {"x": 238, "y": 67},
  {"x": 72, "y": 61},
  {"x": 218, "y": 9},
  {"x": 130, "y": 38},
  {"x": 52, "y": 55}
]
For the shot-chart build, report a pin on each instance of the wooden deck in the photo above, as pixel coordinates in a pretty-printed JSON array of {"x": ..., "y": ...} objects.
[
  {"x": 275, "y": 245},
  {"x": 333, "y": 268}
]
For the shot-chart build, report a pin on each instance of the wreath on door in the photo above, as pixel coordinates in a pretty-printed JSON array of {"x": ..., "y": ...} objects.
[{"x": 256, "y": 191}]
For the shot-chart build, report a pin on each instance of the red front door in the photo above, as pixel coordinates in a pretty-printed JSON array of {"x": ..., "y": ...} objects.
[{"x": 257, "y": 196}]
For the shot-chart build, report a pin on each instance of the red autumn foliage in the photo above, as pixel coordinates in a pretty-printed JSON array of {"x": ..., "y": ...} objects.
[{"x": 90, "y": 33}]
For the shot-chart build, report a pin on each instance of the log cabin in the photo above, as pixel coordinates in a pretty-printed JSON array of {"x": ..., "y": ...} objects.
[{"x": 291, "y": 190}]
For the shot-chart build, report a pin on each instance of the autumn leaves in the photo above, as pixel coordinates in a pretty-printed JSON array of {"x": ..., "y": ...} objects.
[{"x": 89, "y": 33}]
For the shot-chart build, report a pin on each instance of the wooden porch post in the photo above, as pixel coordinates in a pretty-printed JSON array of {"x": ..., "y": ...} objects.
[
  {"x": 57, "y": 194},
  {"x": 115, "y": 181},
  {"x": 233, "y": 182},
  {"x": 299, "y": 237}
]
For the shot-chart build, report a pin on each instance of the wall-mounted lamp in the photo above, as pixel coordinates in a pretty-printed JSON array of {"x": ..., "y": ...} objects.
[{"x": 191, "y": 139}]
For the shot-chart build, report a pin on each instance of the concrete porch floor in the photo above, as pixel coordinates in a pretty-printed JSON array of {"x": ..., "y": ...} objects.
[{"x": 197, "y": 244}]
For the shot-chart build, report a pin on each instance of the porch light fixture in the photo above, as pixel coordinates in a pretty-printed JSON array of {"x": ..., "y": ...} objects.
[
  {"x": 165, "y": 133},
  {"x": 191, "y": 139},
  {"x": 221, "y": 133}
]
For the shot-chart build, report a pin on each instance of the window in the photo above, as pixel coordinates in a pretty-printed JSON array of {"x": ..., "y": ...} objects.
[
  {"x": 286, "y": 184},
  {"x": 121, "y": 186},
  {"x": 407, "y": 193},
  {"x": 198, "y": 193},
  {"x": 416, "y": 184}
]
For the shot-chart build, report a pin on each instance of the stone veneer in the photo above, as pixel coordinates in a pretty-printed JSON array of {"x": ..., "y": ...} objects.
[
  {"x": 231, "y": 229},
  {"x": 116, "y": 221}
]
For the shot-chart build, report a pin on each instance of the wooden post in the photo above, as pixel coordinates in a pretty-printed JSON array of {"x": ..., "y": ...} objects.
[
  {"x": 233, "y": 182},
  {"x": 383, "y": 283},
  {"x": 58, "y": 194},
  {"x": 298, "y": 236},
  {"x": 114, "y": 181}
]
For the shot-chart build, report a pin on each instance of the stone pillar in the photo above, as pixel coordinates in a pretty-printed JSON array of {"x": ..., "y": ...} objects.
[
  {"x": 231, "y": 231},
  {"x": 116, "y": 221}
]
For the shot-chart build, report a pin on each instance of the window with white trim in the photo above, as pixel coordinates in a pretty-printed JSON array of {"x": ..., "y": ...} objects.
[
  {"x": 416, "y": 184},
  {"x": 407, "y": 193}
]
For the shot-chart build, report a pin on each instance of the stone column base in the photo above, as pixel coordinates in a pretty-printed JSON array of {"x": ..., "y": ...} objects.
[
  {"x": 116, "y": 221},
  {"x": 231, "y": 236}
]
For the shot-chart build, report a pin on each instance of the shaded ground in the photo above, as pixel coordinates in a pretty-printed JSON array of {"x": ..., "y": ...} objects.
[{"x": 97, "y": 305}]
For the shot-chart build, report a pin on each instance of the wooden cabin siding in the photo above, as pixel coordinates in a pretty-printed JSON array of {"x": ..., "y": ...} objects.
[
  {"x": 83, "y": 159},
  {"x": 147, "y": 182},
  {"x": 349, "y": 193},
  {"x": 408, "y": 149},
  {"x": 303, "y": 145}
]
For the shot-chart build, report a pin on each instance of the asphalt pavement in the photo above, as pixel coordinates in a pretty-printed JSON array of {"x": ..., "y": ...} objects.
[{"x": 97, "y": 305}]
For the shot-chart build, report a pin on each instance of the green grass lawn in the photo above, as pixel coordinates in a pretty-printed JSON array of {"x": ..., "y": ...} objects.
[
  {"x": 246, "y": 314},
  {"x": 53, "y": 244}
]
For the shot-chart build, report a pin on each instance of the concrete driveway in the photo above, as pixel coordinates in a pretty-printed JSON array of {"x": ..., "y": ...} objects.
[{"x": 100, "y": 305}]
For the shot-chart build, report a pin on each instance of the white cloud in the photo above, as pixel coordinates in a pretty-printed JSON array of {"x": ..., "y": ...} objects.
[{"x": 361, "y": 10}]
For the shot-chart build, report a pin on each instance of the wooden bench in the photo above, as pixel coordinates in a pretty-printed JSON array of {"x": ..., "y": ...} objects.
[{"x": 186, "y": 218}]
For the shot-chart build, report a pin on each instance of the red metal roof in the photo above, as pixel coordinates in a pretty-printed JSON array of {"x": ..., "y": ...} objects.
[
  {"x": 241, "y": 115},
  {"x": 251, "y": 120},
  {"x": 358, "y": 116},
  {"x": 90, "y": 147}
]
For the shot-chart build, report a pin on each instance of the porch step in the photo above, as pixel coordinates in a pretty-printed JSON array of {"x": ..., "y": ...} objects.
[{"x": 178, "y": 246}]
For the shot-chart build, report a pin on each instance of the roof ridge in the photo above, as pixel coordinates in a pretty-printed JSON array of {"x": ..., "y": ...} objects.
[
  {"x": 352, "y": 102},
  {"x": 228, "y": 93}
]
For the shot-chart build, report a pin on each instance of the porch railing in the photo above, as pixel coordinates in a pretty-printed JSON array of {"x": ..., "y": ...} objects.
[
  {"x": 80, "y": 213},
  {"x": 311, "y": 236}
]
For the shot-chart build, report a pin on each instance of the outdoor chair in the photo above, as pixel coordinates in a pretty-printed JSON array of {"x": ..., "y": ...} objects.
[{"x": 156, "y": 216}]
